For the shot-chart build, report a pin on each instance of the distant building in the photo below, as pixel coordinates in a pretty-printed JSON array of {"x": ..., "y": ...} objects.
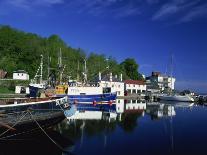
[
  {"x": 2, "y": 74},
  {"x": 135, "y": 87},
  {"x": 20, "y": 75},
  {"x": 21, "y": 90},
  {"x": 163, "y": 82},
  {"x": 116, "y": 84}
]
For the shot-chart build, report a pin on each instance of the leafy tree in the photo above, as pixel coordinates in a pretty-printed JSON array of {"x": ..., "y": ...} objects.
[
  {"x": 21, "y": 51},
  {"x": 130, "y": 67}
]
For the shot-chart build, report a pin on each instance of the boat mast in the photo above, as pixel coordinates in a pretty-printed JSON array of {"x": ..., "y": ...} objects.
[
  {"x": 171, "y": 72},
  {"x": 60, "y": 64},
  {"x": 85, "y": 72},
  {"x": 41, "y": 68}
]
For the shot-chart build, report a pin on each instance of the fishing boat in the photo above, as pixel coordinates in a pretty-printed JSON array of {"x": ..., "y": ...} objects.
[
  {"x": 88, "y": 96},
  {"x": 28, "y": 114},
  {"x": 85, "y": 94}
]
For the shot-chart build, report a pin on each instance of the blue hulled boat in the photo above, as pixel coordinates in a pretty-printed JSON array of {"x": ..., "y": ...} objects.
[{"x": 28, "y": 114}]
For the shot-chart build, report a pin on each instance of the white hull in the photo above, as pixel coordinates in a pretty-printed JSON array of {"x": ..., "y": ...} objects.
[
  {"x": 92, "y": 115},
  {"x": 177, "y": 98}
]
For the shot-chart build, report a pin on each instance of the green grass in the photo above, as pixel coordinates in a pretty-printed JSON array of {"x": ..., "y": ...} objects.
[{"x": 4, "y": 90}]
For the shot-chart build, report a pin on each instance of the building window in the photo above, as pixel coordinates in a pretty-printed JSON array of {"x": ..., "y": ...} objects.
[
  {"x": 133, "y": 101},
  {"x": 129, "y": 91},
  {"x": 118, "y": 101},
  {"x": 134, "y": 85},
  {"x": 134, "y": 91},
  {"x": 118, "y": 92},
  {"x": 143, "y": 91},
  {"x": 138, "y": 91}
]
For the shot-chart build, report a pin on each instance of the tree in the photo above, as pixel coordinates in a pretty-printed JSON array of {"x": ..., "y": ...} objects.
[{"x": 130, "y": 67}]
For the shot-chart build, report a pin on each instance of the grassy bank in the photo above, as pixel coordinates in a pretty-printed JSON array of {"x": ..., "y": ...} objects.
[{"x": 5, "y": 90}]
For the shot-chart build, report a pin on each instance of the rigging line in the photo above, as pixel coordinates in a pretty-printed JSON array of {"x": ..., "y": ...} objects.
[
  {"x": 47, "y": 134},
  {"x": 13, "y": 125}
]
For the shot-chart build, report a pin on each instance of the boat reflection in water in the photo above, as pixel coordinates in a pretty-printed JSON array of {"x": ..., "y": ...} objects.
[
  {"x": 149, "y": 128},
  {"x": 125, "y": 131}
]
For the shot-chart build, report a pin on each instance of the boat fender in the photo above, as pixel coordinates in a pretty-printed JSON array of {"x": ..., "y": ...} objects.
[
  {"x": 75, "y": 101},
  {"x": 94, "y": 103},
  {"x": 110, "y": 102}
]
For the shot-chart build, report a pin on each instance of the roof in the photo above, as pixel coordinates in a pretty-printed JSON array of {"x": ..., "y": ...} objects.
[
  {"x": 137, "y": 82},
  {"x": 20, "y": 71}
]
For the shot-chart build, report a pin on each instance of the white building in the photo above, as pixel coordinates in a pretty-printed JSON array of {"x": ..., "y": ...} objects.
[
  {"x": 21, "y": 90},
  {"x": 120, "y": 106},
  {"x": 116, "y": 85},
  {"x": 135, "y": 87},
  {"x": 20, "y": 75},
  {"x": 163, "y": 81}
]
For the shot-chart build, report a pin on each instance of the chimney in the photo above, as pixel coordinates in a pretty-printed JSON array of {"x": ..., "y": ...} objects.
[
  {"x": 110, "y": 78},
  {"x": 99, "y": 76},
  {"x": 121, "y": 77}
]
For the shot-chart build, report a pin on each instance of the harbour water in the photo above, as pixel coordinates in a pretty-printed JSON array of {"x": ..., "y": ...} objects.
[{"x": 151, "y": 128}]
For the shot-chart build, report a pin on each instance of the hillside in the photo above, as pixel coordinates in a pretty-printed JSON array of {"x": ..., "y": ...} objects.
[{"x": 21, "y": 51}]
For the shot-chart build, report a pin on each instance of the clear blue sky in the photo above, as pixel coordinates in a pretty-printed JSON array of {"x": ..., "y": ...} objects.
[{"x": 147, "y": 30}]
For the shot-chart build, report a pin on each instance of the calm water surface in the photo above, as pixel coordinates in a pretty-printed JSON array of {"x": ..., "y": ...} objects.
[{"x": 150, "y": 129}]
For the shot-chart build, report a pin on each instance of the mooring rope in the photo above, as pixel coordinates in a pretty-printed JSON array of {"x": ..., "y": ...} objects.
[
  {"x": 47, "y": 134},
  {"x": 14, "y": 124}
]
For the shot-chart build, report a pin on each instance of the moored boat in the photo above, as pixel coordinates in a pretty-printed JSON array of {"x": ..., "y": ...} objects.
[
  {"x": 177, "y": 98},
  {"x": 29, "y": 114}
]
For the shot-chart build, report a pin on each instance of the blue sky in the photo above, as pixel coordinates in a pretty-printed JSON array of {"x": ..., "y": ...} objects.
[{"x": 147, "y": 30}]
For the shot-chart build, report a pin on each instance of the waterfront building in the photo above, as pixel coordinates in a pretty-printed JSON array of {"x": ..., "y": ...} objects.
[
  {"x": 135, "y": 87},
  {"x": 20, "y": 75},
  {"x": 116, "y": 84},
  {"x": 21, "y": 90},
  {"x": 163, "y": 82}
]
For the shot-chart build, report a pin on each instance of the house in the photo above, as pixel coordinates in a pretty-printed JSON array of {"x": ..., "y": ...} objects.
[
  {"x": 135, "y": 87},
  {"x": 21, "y": 90},
  {"x": 116, "y": 84},
  {"x": 20, "y": 75},
  {"x": 163, "y": 82}
]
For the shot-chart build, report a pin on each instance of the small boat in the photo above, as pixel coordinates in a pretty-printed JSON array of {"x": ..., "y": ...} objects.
[
  {"x": 177, "y": 98},
  {"x": 29, "y": 114}
]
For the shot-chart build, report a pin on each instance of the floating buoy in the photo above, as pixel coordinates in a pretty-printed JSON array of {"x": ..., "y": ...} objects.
[
  {"x": 110, "y": 102},
  {"x": 94, "y": 103},
  {"x": 75, "y": 101}
]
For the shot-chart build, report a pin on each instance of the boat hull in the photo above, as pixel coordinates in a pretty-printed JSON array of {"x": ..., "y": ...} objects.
[
  {"x": 23, "y": 117},
  {"x": 90, "y": 98},
  {"x": 176, "y": 98}
]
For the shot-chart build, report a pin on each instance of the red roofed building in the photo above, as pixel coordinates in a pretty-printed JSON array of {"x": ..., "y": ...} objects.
[{"x": 135, "y": 87}]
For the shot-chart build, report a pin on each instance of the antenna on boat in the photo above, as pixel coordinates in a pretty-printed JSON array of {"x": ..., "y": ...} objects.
[
  {"x": 39, "y": 69},
  {"x": 85, "y": 71}
]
